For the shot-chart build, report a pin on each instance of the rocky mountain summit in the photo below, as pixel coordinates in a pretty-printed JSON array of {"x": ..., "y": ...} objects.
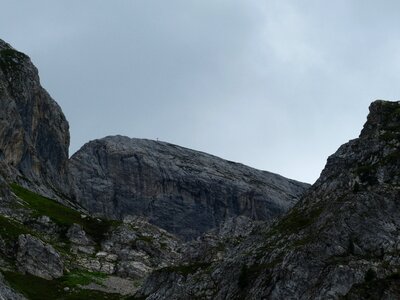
[
  {"x": 109, "y": 222},
  {"x": 86, "y": 227},
  {"x": 183, "y": 191},
  {"x": 34, "y": 134},
  {"x": 340, "y": 241}
]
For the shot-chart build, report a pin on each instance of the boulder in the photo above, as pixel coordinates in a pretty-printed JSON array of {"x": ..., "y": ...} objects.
[{"x": 37, "y": 258}]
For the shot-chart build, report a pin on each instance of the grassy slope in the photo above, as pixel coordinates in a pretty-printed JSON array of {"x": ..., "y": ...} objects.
[
  {"x": 62, "y": 215},
  {"x": 37, "y": 288}
]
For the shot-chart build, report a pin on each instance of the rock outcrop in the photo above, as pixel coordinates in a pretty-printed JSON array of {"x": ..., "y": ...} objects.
[
  {"x": 34, "y": 134},
  {"x": 36, "y": 258},
  {"x": 183, "y": 191},
  {"x": 6, "y": 293},
  {"x": 54, "y": 247},
  {"x": 340, "y": 241}
]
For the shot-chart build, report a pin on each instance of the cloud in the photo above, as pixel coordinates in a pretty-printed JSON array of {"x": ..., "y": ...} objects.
[{"x": 278, "y": 85}]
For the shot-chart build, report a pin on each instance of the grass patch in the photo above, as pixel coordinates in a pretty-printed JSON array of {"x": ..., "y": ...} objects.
[
  {"x": 10, "y": 230},
  {"x": 35, "y": 288},
  {"x": 40, "y": 205},
  {"x": 62, "y": 215},
  {"x": 82, "y": 278},
  {"x": 297, "y": 220},
  {"x": 146, "y": 239}
]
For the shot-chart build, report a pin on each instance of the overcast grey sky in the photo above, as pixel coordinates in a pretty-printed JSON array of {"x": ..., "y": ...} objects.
[{"x": 278, "y": 85}]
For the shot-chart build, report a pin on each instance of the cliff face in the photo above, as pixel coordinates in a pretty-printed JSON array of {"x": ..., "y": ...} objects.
[
  {"x": 340, "y": 240},
  {"x": 34, "y": 134},
  {"x": 183, "y": 191},
  {"x": 48, "y": 250},
  {"x": 56, "y": 250}
]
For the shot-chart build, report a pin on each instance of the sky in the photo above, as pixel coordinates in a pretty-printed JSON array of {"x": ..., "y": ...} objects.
[{"x": 278, "y": 85}]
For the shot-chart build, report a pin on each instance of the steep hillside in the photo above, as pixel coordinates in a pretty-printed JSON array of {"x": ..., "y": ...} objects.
[
  {"x": 50, "y": 251},
  {"x": 183, "y": 191},
  {"x": 53, "y": 248},
  {"x": 34, "y": 134},
  {"x": 340, "y": 241}
]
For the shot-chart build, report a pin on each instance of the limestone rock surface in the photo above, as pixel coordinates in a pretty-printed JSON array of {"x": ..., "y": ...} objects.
[
  {"x": 34, "y": 134},
  {"x": 340, "y": 241},
  {"x": 37, "y": 258},
  {"x": 183, "y": 191}
]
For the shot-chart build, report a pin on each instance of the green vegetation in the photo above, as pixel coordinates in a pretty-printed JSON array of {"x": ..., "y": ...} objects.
[
  {"x": 35, "y": 288},
  {"x": 43, "y": 206},
  {"x": 297, "y": 220},
  {"x": 62, "y": 215},
  {"x": 10, "y": 230},
  {"x": 82, "y": 278},
  {"x": 146, "y": 239}
]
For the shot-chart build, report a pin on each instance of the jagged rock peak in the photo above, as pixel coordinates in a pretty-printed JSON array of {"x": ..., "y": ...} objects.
[
  {"x": 370, "y": 159},
  {"x": 34, "y": 133},
  {"x": 184, "y": 191},
  {"x": 384, "y": 115},
  {"x": 4, "y": 45},
  {"x": 340, "y": 241}
]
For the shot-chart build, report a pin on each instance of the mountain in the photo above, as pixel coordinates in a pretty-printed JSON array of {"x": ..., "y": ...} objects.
[
  {"x": 80, "y": 228},
  {"x": 88, "y": 227},
  {"x": 183, "y": 191},
  {"x": 34, "y": 134},
  {"x": 340, "y": 241}
]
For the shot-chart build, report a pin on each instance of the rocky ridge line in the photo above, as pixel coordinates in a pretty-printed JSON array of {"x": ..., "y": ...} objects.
[
  {"x": 340, "y": 241},
  {"x": 51, "y": 247},
  {"x": 183, "y": 191},
  {"x": 34, "y": 134}
]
